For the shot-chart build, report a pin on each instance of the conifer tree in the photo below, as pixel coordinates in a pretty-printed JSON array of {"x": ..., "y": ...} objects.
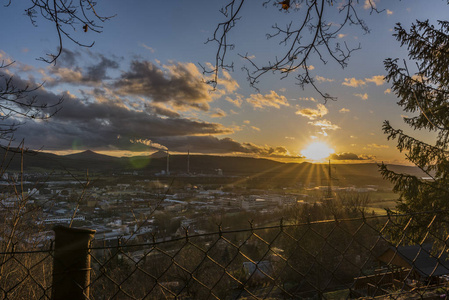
[{"x": 424, "y": 94}]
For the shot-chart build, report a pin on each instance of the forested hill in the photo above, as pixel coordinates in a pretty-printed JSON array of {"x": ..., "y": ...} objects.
[{"x": 256, "y": 169}]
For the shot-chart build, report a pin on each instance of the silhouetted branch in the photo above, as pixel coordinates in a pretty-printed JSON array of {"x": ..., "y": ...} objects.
[
  {"x": 309, "y": 34},
  {"x": 65, "y": 15}
]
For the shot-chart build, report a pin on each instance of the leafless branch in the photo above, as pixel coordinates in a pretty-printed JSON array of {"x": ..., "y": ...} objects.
[
  {"x": 67, "y": 16},
  {"x": 308, "y": 35}
]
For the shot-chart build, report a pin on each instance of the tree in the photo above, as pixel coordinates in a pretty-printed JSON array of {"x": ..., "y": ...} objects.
[
  {"x": 425, "y": 93},
  {"x": 65, "y": 15},
  {"x": 18, "y": 99},
  {"x": 311, "y": 31}
]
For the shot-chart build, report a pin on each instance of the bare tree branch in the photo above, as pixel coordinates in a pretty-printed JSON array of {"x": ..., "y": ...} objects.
[
  {"x": 66, "y": 16},
  {"x": 308, "y": 35}
]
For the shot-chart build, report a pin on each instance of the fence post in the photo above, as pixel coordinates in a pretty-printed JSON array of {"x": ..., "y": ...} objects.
[{"x": 71, "y": 263}]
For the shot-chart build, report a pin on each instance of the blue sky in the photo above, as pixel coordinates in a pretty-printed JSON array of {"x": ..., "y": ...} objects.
[{"x": 139, "y": 88}]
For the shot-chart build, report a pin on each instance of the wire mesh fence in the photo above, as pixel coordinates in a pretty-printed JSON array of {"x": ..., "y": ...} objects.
[{"x": 391, "y": 257}]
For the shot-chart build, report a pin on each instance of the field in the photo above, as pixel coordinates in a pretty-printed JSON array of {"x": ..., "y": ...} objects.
[{"x": 381, "y": 201}]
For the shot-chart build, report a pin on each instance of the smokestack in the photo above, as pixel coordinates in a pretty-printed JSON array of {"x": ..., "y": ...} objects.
[
  {"x": 168, "y": 163},
  {"x": 188, "y": 161}
]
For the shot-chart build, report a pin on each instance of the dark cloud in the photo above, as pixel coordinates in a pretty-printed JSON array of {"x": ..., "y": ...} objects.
[
  {"x": 68, "y": 58},
  {"x": 97, "y": 72},
  {"x": 72, "y": 69},
  {"x": 178, "y": 84},
  {"x": 112, "y": 125},
  {"x": 212, "y": 144},
  {"x": 105, "y": 119},
  {"x": 350, "y": 156},
  {"x": 158, "y": 109},
  {"x": 25, "y": 97},
  {"x": 106, "y": 125}
]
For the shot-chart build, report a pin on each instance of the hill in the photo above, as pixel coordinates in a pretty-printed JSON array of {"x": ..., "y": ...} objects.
[{"x": 258, "y": 171}]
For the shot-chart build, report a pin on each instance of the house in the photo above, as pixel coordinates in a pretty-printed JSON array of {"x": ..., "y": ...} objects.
[
  {"x": 426, "y": 264},
  {"x": 408, "y": 269}
]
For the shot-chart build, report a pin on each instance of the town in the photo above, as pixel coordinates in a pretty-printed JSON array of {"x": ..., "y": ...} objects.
[{"x": 130, "y": 206}]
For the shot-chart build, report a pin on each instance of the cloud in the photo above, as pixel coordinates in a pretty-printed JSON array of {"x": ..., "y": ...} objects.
[
  {"x": 211, "y": 144},
  {"x": 69, "y": 58},
  {"x": 324, "y": 125},
  {"x": 97, "y": 72},
  {"x": 14, "y": 112},
  {"x": 289, "y": 138},
  {"x": 255, "y": 128},
  {"x": 69, "y": 71},
  {"x": 268, "y": 100},
  {"x": 228, "y": 82},
  {"x": 341, "y": 35},
  {"x": 370, "y": 4},
  {"x": 312, "y": 114},
  {"x": 350, "y": 156},
  {"x": 147, "y": 47},
  {"x": 377, "y": 79},
  {"x": 376, "y": 146},
  {"x": 389, "y": 12},
  {"x": 344, "y": 110},
  {"x": 237, "y": 101},
  {"x": 387, "y": 91},
  {"x": 323, "y": 79},
  {"x": 362, "y": 96},
  {"x": 162, "y": 110},
  {"x": 5, "y": 59},
  {"x": 219, "y": 113},
  {"x": 107, "y": 125},
  {"x": 307, "y": 99},
  {"x": 352, "y": 82},
  {"x": 179, "y": 84}
]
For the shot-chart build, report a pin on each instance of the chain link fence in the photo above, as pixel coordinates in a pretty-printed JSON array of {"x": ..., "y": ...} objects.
[{"x": 384, "y": 257}]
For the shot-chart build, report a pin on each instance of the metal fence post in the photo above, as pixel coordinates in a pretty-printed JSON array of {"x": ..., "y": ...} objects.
[{"x": 71, "y": 263}]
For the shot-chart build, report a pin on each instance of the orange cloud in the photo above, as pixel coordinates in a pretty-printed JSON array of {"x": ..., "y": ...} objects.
[
  {"x": 362, "y": 96},
  {"x": 377, "y": 79},
  {"x": 352, "y": 82},
  {"x": 323, "y": 79},
  {"x": 312, "y": 114},
  {"x": 268, "y": 100},
  {"x": 219, "y": 113}
]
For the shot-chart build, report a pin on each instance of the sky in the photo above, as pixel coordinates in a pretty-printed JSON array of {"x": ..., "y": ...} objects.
[{"x": 140, "y": 87}]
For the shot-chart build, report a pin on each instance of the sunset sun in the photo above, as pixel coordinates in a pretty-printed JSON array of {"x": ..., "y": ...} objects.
[{"x": 317, "y": 151}]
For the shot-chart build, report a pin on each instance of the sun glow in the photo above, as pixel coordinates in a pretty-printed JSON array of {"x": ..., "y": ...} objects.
[{"x": 317, "y": 151}]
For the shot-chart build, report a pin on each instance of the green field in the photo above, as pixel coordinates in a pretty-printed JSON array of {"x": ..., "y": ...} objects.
[{"x": 381, "y": 201}]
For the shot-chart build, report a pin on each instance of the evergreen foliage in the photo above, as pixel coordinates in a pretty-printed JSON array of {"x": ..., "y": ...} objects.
[{"x": 424, "y": 94}]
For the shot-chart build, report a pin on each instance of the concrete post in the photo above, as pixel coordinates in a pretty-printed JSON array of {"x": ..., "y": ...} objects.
[{"x": 71, "y": 263}]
